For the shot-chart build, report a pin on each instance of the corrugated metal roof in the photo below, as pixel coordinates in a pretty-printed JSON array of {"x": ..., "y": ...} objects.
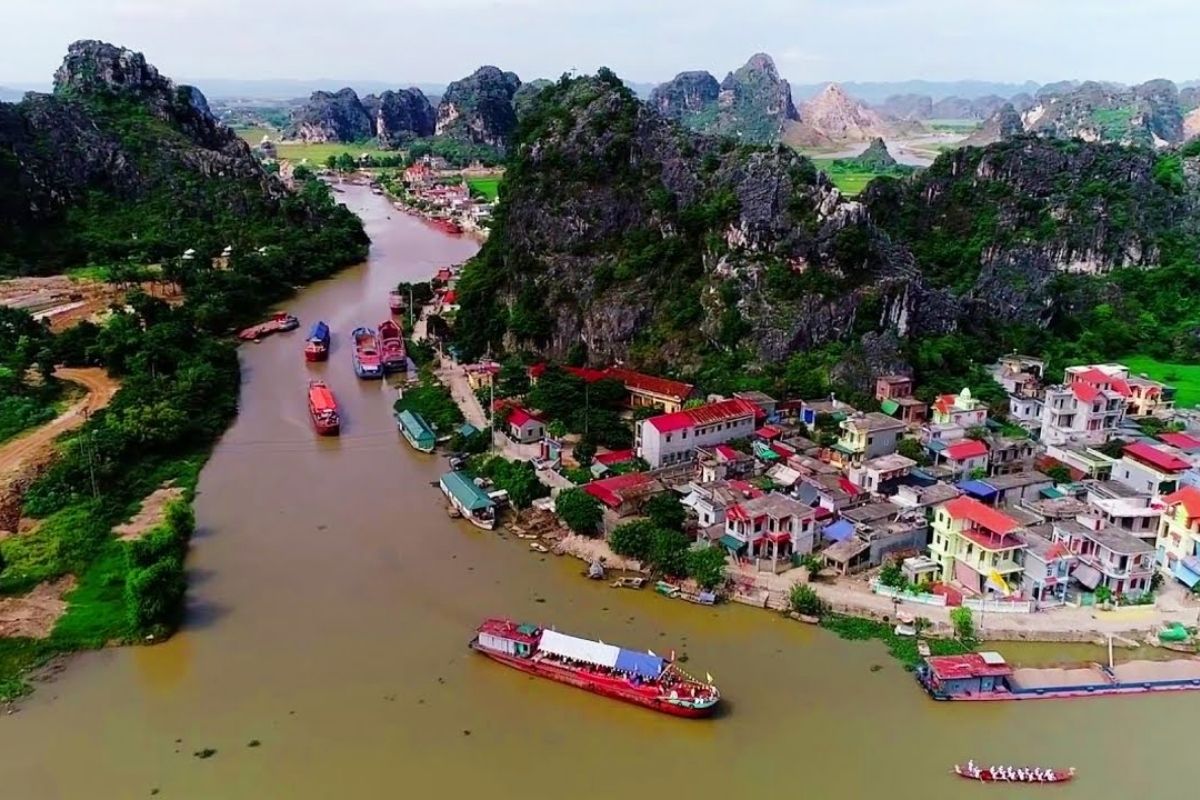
[{"x": 465, "y": 491}]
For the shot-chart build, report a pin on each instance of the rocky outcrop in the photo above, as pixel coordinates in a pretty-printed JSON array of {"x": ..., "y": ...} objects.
[
  {"x": 523, "y": 97},
  {"x": 838, "y": 117},
  {"x": 399, "y": 117},
  {"x": 332, "y": 117},
  {"x": 753, "y": 104},
  {"x": 876, "y": 157},
  {"x": 123, "y": 155},
  {"x": 479, "y": 108},
  {"x": 1149, "y": 114},
  {"x": 1004, "y": 124},
  {"x": 686, "y": 95}
]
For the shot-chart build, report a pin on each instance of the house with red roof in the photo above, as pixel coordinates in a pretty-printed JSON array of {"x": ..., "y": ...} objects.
[
  {"x": 524, "y": 426},
  {"x": 1143, "y": 397},
  {"x": 771, "y": 528},
  {"x": 977, "y": 547},
  {"x": 1087, "y": 407},
  {"x": 722, "y": 462},
  {"x": 961, "y": 410},
  {"x": 624, "y": 495},
  {"x": 1152, "y": 468},
  {"x": 645, "y": 391},
  {"x": 1185, "y": 442},
  {"x": 963, "y": 457},
  {"x": 1178, "y": 541},
  {"x": 1048, "y": 567},
  {"x": 674, "y": 438}
]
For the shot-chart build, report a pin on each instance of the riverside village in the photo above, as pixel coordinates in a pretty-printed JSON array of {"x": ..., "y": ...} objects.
[{"x": 1068, "y": 512}]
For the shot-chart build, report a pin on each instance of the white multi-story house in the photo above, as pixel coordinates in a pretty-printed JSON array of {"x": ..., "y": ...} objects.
[
  {"x": 673, "y": 438},
  {"x": 1087, "y": 408}
]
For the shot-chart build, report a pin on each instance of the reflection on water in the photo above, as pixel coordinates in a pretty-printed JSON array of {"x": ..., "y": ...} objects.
[{"x": 331, "y": 604}]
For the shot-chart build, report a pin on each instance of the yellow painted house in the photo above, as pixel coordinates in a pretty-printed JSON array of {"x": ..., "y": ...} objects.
[
  {"x": 971, "y": 541},
  {"x": 1178, "y": 543}
]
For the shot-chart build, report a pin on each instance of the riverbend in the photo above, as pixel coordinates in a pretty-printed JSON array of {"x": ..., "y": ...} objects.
[{"x": 330, "y": 605}]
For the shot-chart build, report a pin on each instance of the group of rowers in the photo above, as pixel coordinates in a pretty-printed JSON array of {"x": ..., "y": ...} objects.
[{"x": 1022, "y": 774}]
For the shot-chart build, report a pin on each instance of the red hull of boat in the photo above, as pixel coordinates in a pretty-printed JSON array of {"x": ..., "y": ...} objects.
[
  {"x": 446, "y": 226},
  {"x": 985, "y": 776},
  {"x": 316, "y": 355},
  {"x": 617, "y": 689},
  {"x": 326, "y": 430}
]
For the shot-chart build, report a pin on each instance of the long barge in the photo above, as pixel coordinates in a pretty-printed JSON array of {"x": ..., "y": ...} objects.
[
  {"x": 632, "y": 676},
  {"x": 279, "y": 322},
  {"x": 987, "y": 677},
  {"x": 366, "y": 358}
]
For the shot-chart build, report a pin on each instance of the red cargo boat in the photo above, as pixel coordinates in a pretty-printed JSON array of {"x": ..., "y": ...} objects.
[
  {"x": 397, "y": 302},
  {"x": 391, "y": 348},
  {"x": 323, "y": 409},
  {"x": 281, "y": 321},
  {"x": 446, "y": 225},
  {"x": 630, "y": 675}
]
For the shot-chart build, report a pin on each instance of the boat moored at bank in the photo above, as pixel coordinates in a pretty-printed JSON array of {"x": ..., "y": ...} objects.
[
  {"x": 397, "y": 302},
  {"x": 392, "y": 354},
  {"x": 634, "y": 676},
  {"x": 316, "y": 348},
  {"x": 416, "y": 431},
  {"x": 323, "y": 409},
  {"x": 471, "y": 501},
  {"x": 367, "y": 360},
  {"x": 446, "y": 225},
  {"x": 279, "y": 322}
]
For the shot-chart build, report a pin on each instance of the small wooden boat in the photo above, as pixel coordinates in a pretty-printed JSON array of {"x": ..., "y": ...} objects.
[
  {"x": 595, "y": 571},
  {"x": 397, "y": 302},
  {"x": 628, "y": 583},
  {"x": 281, "y": 321},
  {"x": 666, "y": 589},
  {"x": 1002, "y": 774},
  {"x": 317, "y": 346},
  {"x": 539, "y": 547}
]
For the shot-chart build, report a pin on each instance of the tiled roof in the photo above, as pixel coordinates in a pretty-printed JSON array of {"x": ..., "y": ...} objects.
[
  {"x": 676, "y": 390},
  {"x": 1154, "y": 457},
  {"x": 1188, "y": 497},
  {"x": 615, "y": 457},
  {"x": 1183, "y": 441},
  {"x": 984, "y": 516},
  {"x": 608, "y": 490},
  {"x": 967, "y": 448},
  {"x": 1085, "y": 391},
  {"x": 710, "y": 414},
  {"x": 520, "y": 417}
]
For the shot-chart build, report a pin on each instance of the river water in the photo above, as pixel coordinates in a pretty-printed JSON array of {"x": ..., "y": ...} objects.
[{"x": 331, "y": 600}]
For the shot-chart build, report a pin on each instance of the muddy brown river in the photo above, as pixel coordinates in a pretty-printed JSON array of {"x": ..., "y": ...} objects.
[{"x": 330, "y": 604}]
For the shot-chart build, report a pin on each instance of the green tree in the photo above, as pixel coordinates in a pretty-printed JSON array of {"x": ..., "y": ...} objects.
[
  {"x": 580, "y": 511},
  {"x": 977, "y": 432},
  {"x": 584, "y": 452},
  {"x": 911, "y": 448},
  {"x": 668, "y": 552},
  {"x": 633, "y": 539},
  {"x": 979, "y": 473},
  {"x": 154, "y": 596},
  {"x": 331, "y": 161},
  {"x": 814, "y": 564},
  {"x": 804, "y": 599},
  {"x": 706, "y": 566},
  {"x": 1104, "y": 594},
  {"x": 891, "y": 575},
  {"x": 513, "y": 379},
  {"x": 665, "y": 511},
  {"x": 964, "y": 624},
  {"x": 346, "y": 163}
]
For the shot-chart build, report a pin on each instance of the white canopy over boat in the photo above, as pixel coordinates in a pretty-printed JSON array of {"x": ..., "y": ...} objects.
[{"x": 564, "y": 646}]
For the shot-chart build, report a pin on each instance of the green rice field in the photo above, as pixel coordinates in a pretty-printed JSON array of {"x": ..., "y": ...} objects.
[
  {"x": 489, "y": 187},
  {"x": 318, "y": 152},
  {"x": 1184, "y": 377},
  {"x": 255, "y": 135}
]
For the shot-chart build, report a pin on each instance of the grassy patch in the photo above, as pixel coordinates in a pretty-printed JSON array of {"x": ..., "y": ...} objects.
[
  {"x": 488, "y": 188},
  {"x": 903, "y": 648},
  {"x": 19, "y": 413},
  {"x": 953, "y": 125},
  {"x": 17, "y": 657},
  {"x": 1184, "y": 377},
  {"x": 96, "y": 611},
  {"x": 318, "y": 152},
  {"x": 254, "y": 135},
  {"x": 851, "y": 178}
]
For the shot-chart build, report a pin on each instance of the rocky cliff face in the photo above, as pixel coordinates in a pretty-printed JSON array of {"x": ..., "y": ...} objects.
[
  {"x": 400, "y": 116},
  {"x": 686, "y": 95},
  {"x": 523, "y": 97},
  {"x": 1148, "y": 114},
  {"x": 876, "y": 157},
  {"x": 838, "y": 117},
  {"x": 479, "y": 108},
  {"x": 1004, "y": 124},
  {"x": 332, "y": 117},
  {"x": 753, "y": 104},
  {"x": 119, "y": 157},
  {"x": 626, "y": 234}
]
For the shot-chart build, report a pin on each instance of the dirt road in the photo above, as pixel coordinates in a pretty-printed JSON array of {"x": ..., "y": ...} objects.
[{"x": 28, "y": 449}]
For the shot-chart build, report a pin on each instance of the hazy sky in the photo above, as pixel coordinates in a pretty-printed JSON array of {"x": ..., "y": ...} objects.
[{"x": 643, "y": 40}]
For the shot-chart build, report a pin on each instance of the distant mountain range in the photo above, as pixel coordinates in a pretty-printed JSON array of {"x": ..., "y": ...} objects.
[{"x": 875, "y": 92}]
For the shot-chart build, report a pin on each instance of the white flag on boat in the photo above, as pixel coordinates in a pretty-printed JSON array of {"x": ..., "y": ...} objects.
[
  {"x": 650, "y": 653},
  {"x": 708, "y": 675}
]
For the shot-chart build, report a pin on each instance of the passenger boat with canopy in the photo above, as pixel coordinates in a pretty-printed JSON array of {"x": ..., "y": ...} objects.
[
  {"x": 634, "y": 676},
  {"x": 317, "y": 346},
  {"x": 323, "y": 409},
  {"x": 1002, "y": 774}
]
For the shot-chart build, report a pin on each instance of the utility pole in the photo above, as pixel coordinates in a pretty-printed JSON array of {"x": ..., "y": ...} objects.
[{"x": 87, "y": 434}]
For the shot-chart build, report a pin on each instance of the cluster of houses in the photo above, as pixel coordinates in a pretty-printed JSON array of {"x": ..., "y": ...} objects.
[
  {"x": 434, "y": 188},
  {"x": 973, "y": 508}
]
